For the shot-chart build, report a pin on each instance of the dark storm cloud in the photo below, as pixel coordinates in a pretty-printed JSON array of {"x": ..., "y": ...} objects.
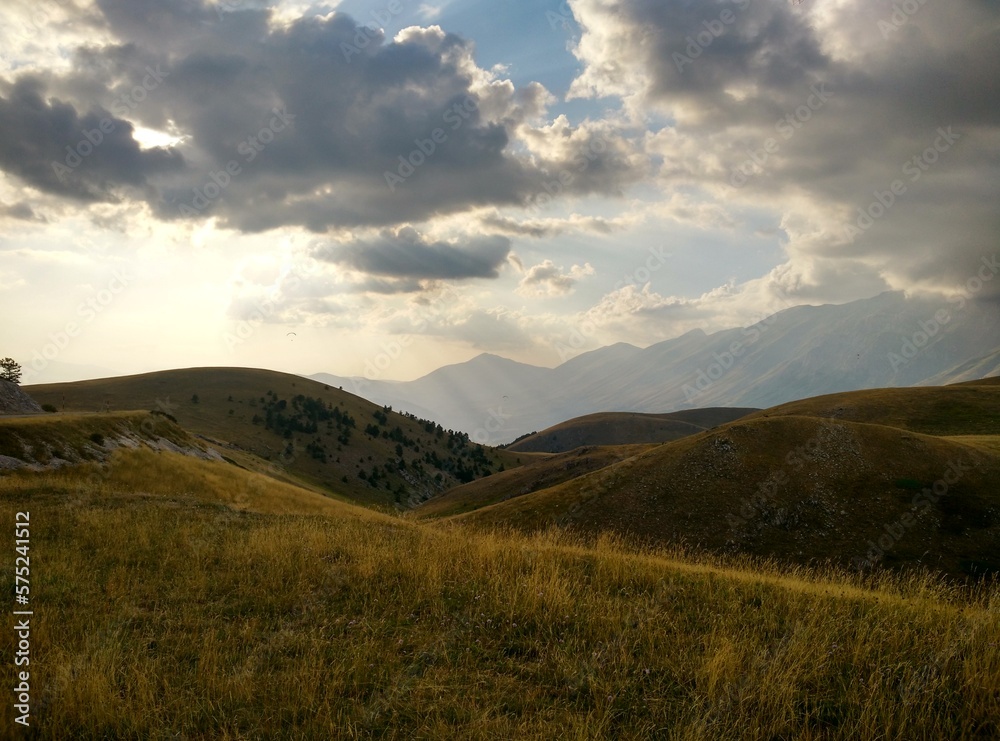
[
  {"x": 372, "y": 132},
  {"x": 408, "y": 255},
  {"x": 703, "y": 48},
  {"x": 50, "y": 146}
]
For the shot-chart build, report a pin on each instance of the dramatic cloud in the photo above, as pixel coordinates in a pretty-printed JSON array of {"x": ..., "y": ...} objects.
[
  {"x": 648, "y": 168},
  {"x": 818, "y": 110},
  {"x": 314, "y": 121},
  {"x": 407, "y": 254},
  {"x": 53, "y": 148}
]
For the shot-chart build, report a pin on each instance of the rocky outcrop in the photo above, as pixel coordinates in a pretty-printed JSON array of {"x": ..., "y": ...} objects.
[
  {"x": 56, "y": 442},
  {"x": 14, "y": 401}
]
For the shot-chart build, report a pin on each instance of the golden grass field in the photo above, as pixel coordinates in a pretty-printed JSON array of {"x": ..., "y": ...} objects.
[{"x": 180, "y": 598}]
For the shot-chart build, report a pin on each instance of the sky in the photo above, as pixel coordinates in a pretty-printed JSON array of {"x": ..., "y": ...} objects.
[{"x": 382, "y": 188}]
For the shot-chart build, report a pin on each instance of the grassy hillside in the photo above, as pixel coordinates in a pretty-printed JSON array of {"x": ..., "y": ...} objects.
[
  {"x": 962, "y": 409},
  {"x": 625, "y": 428},
  {"x": 992, "y": 381},
  {"x": 535, "y": 474},
  {"x": 310, "y": 431},
  {"x": 179, "y": 598},
  {"x": 800, "y": 489}
]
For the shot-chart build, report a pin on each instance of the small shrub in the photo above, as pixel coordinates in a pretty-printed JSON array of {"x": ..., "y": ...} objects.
[{"x": 49, "y": 408}]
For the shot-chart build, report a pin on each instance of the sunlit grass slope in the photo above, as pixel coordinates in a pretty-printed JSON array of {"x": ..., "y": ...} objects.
[
  {"x": 538, "y": 472},
  {"x": 179, "y": 598},
  {"x": 962, "y": 409}
]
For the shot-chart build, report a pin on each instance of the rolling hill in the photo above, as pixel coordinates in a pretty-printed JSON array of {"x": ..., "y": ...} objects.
[
  {"x": 895, "y": 478},
  {"x": 305, "y": 431},
  {"x": 625, "y": 428},
  {"x": 174, "y": 597},
  {"x": 535, "y": 474},
  {"x": 971, "y": 408}
]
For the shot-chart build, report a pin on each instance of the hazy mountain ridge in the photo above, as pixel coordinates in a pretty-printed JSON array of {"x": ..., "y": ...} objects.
[{"x": 799, "y": 352}]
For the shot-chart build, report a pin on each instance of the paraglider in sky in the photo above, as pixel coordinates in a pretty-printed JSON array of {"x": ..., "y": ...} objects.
[{"x": 291, "y": 335}]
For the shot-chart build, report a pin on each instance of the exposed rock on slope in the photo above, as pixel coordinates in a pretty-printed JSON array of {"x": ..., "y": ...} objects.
[
  {"x": 54, "y": 441},
  {"x": 14, "y": 401}
]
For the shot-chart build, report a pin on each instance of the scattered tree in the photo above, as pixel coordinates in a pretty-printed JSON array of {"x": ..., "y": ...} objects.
[{"x": 10, "y": 370}]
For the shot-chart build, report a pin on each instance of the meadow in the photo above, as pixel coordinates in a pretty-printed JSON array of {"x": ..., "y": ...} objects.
[{"x": 181, "y": 598}]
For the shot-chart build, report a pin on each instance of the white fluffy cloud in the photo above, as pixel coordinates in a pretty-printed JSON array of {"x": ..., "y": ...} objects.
[{"x": 548, "y": 279}]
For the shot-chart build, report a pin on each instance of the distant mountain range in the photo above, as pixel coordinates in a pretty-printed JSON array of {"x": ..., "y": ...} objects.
[{"x": 886, "y": 341}]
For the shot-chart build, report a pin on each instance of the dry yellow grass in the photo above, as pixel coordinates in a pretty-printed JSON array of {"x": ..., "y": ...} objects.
[
  {"x": 989, "y": 443},
  {"x": 176, "y": 598}
]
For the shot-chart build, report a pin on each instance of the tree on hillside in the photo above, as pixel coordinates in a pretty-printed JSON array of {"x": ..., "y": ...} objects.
[{"x": 10, "y": 370}]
